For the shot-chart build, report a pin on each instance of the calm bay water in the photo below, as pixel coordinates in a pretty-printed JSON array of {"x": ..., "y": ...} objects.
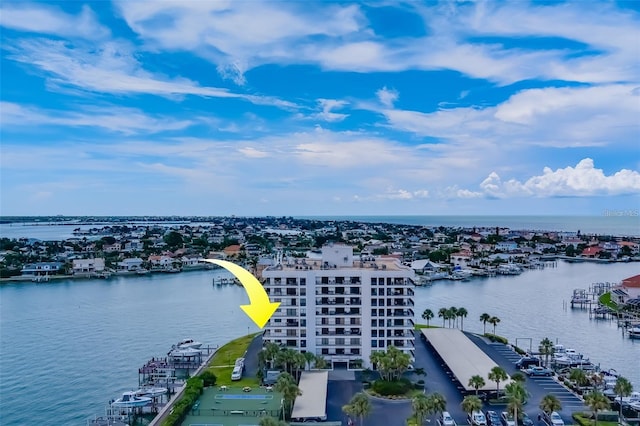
[{"x": 70, "y": 346}]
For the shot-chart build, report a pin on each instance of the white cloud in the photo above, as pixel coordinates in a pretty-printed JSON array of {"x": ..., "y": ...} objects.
[
  {"x": 113, "y": 68},
  {"x": 338, "y": 37},
  {"x": 327, "y": 114},
  {"x": 45, "y": 19},
  {"x": 253, "y": 153},
  {"x": 115, "y": 119},
  {"x": 535, "y": 117},
  {"x": 582, "y": 180},
  {"x": 387, "y": 97}
]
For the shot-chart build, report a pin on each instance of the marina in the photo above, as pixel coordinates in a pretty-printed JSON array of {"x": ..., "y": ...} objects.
[{"x": 117, "y": 324}]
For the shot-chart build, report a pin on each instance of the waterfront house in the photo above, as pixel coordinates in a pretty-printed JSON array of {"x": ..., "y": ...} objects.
[
  {"x": 130, "y": 264},
  {"x": 42, "y": 268},
  {"x": 190, "y": 261},
  {"x": 160, "y": 262},
  {"x": 232, "y": 250},
  {"x": 506, "y": 246},
  {"x": 591, "y": 252},
  {"x": 88, "y": 266}
]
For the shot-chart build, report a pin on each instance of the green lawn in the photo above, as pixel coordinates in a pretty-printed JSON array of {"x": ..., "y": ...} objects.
[
  {"x": 223, "y": 362},
  {"x": 419, "y": 326}
]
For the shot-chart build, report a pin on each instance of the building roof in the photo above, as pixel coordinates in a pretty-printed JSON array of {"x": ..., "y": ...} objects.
[
  {"x": 631, "y": 281},
  {"x": 464, "y": 358},
  {"x": 312, "y": 403}
]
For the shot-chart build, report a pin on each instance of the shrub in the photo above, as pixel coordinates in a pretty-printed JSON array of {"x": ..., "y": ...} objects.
[
  {"x": 398, "y": 387},
  {"x": 208, "y": 378},
  {"x": 191, "y": 394}
]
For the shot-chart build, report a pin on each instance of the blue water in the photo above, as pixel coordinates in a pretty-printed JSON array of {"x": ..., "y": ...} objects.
[{"x": 70, "y": 346}]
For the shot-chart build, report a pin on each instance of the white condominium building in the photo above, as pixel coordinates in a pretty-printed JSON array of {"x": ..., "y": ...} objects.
[{"x": 340, "y": 307}]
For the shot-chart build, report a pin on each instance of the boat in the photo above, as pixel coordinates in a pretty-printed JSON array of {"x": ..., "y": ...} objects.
[
  {"x": 151, "y": 392},
  {"x": 131, "y": 400},
  {"x": 569, "y": 358},
  {"x": 509, "y": 269},
  {"x": 460, "y": 274},
  {"x": 188, "y": 343},
  {"x": 634, "y": 332},
  {"x": 184, "y": 353}
]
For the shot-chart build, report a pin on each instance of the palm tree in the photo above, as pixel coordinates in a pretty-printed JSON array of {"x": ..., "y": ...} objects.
[
  {"x": 320, "y": 362},
  {"x": 309, "y": 357},
  {"x": 485, "y": 319},
  {"x": 497, "y": 374},
  {"x": 442, "y": 312},
  {"x": 518, "y": 377},
  {"x": 546, "y": 349},
  {"x": 494, "y": 321},
  {"x": 427, "y": 315},
  {"x": 597, "y": 401},
  {"x": 578, "y": 376},
  {"x": 299, "y": 362},
  {"x": 516, "y": 394},
  {"x": 421, "y": 408},
  {"x": 271, "y": 351},
  {"x": 470, "y": 404},
  {"x": 287, "y": 386},
  {"x": 437, "y": 402},
  {"x": 462, "y": 313},
  {"x": 550, "y": 403},
  {"x": 359, "y": 406},
  {"x": 476, "y": 382},
  {"x": 622, "y": 388},
  {"x": 453, "y": 315}
]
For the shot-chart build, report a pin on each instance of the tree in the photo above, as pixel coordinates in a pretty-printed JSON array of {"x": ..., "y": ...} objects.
[
  {"x": 578, "y": 376},
  {"x": 359, "y": 406},
  {"x": 497, "y": 374},
  {"x": 597, "y": 401},
  {"x": 287, "y": 386},
  {"x": 494, "y": 321},
  {"x": 320, "y": 363},
  {"x": 622, "y": 388},
  {"x": 421, "y": 407},
  {"x": 462, "y": 313},
  {"x": 516, "y": 395},
  {"x": 309, "y": 357},
  {"x": 471, "y": 403},
  {"x": 518, "y": 377},
  {"x": 437, "y": 402},
  {"x": 453, "y": 315},
  {"x": 442, "y": 313},
  {"x": 546, "y": 349},
  {"x": 427, "y": 315},
  {"x": 550, "y": 403},
  {"x": 390, "y": 364},
  {"x": 485, "y": 319},
  {"x": 476, "y": 382},
  {"x": 271, "y": 351},
  {"x": 174, "y": 239},
  {"x": 270, "y": 421}
]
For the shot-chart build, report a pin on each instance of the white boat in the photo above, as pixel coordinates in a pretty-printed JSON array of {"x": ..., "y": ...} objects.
[
  {"x": 569, "y": 357},
  {"x": 460, "y": 274},
  {"x": 188, "y": 343},
  {"x": 152, "y": 392},
  {"x": 131, "y": 400},
  {"x": 634, "y": 332},
  {"x": 184, "y": 353},
  {"x": 509, "y": 269}
]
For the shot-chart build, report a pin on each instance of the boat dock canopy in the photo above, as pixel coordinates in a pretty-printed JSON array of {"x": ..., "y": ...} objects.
[
  {"x": 463, "y": 357},
  {"x": 312, "y": 404}
]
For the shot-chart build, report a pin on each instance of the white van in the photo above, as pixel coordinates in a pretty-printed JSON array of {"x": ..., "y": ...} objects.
[{"x": 237, "y": 373}]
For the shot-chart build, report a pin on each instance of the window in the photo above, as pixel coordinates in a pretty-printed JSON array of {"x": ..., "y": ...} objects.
[
  {"x": 374, "y": 343},
  {"x": 374, "y": 333}
]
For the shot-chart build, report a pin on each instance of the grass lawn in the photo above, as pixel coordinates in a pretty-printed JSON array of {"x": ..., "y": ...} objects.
[
  {"x": 223, "y": 362},
  {"x": 419, "y": 326}
]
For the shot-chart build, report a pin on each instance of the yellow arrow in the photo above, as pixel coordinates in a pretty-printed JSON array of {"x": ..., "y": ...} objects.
[{"x": 260, "y": 308}]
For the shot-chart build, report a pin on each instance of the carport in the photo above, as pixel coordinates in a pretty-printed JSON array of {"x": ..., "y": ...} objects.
[{"x": 461, "y": 356}]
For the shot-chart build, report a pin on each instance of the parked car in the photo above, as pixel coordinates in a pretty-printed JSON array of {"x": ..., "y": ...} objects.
[
  {"x": 477, "y": 418},
  {"x": 446, "y": 419},
  {"x": 528, "y": 361},
  {"x": 236, "y": 374},
  {"x": 507, "y": 419},
  {"x": 552, "y": 419},
  {"x": 493, "y": 419},
  {"x": 524, "y": 420},
  {"x": 538, "y": 371}
]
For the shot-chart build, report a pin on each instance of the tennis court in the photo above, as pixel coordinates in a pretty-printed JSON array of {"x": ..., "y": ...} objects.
[{"x": 234, "y": 407}]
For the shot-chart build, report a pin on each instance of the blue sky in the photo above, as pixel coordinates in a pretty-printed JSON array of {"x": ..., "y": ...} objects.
[{"x": 319, "y": 108}]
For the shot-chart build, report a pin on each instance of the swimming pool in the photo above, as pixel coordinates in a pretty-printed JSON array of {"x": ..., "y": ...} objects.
[{"x": 254, "y": 397}]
